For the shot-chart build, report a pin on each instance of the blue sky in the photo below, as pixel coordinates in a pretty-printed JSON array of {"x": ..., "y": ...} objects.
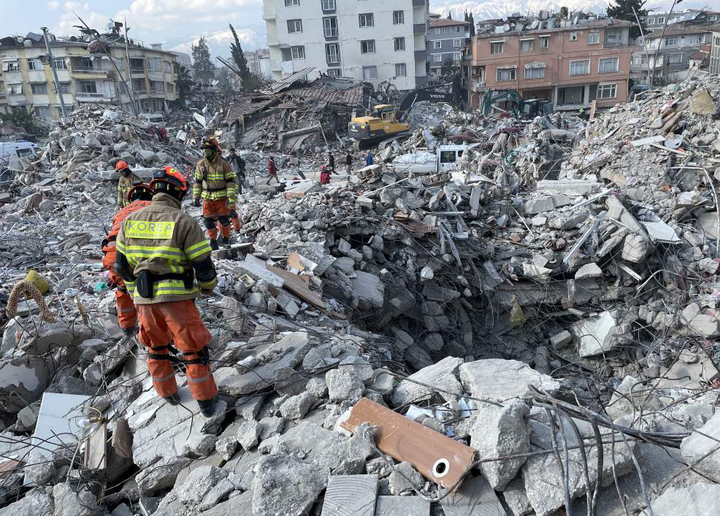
[{"x": 174, "y": 22}]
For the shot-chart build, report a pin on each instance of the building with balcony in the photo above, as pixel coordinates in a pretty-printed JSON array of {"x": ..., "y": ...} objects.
[
  {"x": 667, "y": 55},
  {"x": 368, "y": 40},
  {"x": 569, "y": 62},
  {"x": 259, "y": 62},
  {"x": 657, "y": 20},
  {"x": 714, "y": 67},
  {"x": 26, "y": 78},
  {"x": 447, "y": 43}
]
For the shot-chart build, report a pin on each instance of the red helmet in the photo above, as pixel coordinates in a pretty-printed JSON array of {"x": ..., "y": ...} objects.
[
  {"x": 140, "y": 192},
  {"x": 169, "y": 180},
  {"x": 209, "y": 143},
  {"x": 121, "y": 165},
  {"x": 322, "y": 168}
]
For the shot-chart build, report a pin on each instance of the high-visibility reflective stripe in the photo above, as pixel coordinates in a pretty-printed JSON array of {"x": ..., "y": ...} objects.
[
  {"x": 196, "y": 250},
  {"x": 152, "y": 248},
  {"x": 149, "y": 230},
  {"x": 207, "y": 284},
  {"x": 161, "y": 379},
  {"x": 198, "y": 380},
  {"x": 136, "y": 255}
]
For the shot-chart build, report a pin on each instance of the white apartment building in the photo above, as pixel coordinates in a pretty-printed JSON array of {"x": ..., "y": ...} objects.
[{"x": 370, "y": 40}]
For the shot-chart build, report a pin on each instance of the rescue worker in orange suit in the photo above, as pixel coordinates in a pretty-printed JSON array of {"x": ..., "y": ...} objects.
[
  {"x": 139, "y": 196},
  {"x": 125, "y": 183},
  {"x": 215, "y": 185},
  {"x": 161, "y": 253}
]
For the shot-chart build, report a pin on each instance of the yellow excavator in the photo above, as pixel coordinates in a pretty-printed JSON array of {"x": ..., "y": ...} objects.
[{"x": 388, "y": 120}]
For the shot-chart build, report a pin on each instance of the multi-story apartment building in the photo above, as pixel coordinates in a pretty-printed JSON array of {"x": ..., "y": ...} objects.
[
  {"x": 259, "y": 62},
  {"x": 83, "y": 76},
  {"x": 673, "y": 48},
  {"x": 370, "y": 40},
  {"x": 657, "y": 20},
  {"x": 715, "y": 51},
  {"x": 447, "y": 41},
  {"x": 568, "y": 62}
]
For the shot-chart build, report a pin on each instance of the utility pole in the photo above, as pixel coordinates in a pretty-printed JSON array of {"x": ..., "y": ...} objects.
[
  {"x": 136, "y": 106},
  {"x": 642, "y": 34},
  {"x": 660, "y": 42},
  {"x": 54, "y": 72}
]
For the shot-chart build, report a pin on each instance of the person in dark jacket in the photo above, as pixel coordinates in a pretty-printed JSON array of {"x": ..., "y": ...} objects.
[
  {"x": 348, "y": 162},
  {"x": 331, "y": 162}
]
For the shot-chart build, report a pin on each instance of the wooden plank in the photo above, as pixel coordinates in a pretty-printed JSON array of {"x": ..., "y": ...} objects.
[
  {"x": 350, "y": 495},
  {"x": 8, "y": 466},
  {"x": 434, "y": 455},
  {"x": 593, "y": 108},
  {"x": 96, "y": 449},
  {"x": 402, "y": 506},
  {"x": 297, "y": 286},
  {"x": 474, "y": 498}
]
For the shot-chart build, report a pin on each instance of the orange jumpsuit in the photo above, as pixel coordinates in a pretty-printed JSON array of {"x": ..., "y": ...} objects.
[{"x": 126, "y": 313}]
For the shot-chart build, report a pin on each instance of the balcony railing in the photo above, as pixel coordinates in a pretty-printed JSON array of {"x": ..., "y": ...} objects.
[{"x": 89, "y": 95}]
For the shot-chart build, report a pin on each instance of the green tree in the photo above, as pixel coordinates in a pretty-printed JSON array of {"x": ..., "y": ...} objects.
[
  {"x": 471, "y": 20},
  {"x": 183, "y": 81},
  {"x": 623, "y": 10},
  {"x": 21, "y": 117},
  {"x": 249, "y": 80},
  {"x": 448, "y": 67},
  {"x": 203, "y": 67}
]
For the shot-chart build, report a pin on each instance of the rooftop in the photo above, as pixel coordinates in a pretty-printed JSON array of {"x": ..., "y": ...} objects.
[
  {"x": 681, "y": 30},
  {"x": 551, "y": 24},
  {"x": 447, "y": 23}
]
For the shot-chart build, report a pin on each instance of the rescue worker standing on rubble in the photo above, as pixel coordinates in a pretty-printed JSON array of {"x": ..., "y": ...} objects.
[
  {"x": 160, "y": 253},
  {"x": 348, "y": 162},
  {"x": 125, "y": 183},
  {"x": 215, "y": 184},
  {"x": 272, "y": 170},
  {"x": 238, "y": 165},
  {"x": 139, "y": 196}
]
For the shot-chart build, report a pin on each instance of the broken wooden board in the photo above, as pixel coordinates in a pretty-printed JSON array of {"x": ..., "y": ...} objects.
[
  {"x": 96, "y": 448},
  {"x": 350, "y": 495},
  {"x": 297, "y": 286},
  {"x": 434, "y": 455},
  {"x": 8, "y": 466}
]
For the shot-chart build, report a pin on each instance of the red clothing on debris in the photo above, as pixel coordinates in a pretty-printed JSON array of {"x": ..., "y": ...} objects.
[{"x": 272, "y": 169}]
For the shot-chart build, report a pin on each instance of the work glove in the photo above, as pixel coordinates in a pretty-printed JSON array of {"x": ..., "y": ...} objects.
[{"x": 196, "y": 203}]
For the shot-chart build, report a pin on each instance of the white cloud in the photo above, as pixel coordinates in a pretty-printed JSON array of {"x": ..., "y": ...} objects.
[{"x": 53, "y": 5}]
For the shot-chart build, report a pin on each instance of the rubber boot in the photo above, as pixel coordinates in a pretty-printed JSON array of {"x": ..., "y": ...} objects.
[
  {"x": 130, "y": 332},
  {"x": 207, "y": 407},
  {"x": 226, "y": 241},
  {"x": 173, "y": 400},
  {"x": 214, "y": 245}
]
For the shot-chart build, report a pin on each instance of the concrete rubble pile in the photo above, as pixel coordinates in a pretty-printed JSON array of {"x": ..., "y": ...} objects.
[{"x": 513, "y": 336}]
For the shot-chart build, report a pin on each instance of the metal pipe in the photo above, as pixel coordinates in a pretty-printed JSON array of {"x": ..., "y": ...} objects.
[{"x": 54, "y": 73}]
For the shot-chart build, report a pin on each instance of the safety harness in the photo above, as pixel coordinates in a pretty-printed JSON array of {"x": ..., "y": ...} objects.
[{"x": 202, "y": 359}]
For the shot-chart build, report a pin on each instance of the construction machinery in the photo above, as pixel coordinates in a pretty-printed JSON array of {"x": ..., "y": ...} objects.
[
  {"x": 517, "y": 106},
  {"x": 388, "y": 120}
]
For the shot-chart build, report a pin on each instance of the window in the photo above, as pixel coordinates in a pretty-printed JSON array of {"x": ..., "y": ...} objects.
[
  {"x": 535, "y": 71},
  {"x": 457, "y": 56},
  {"x": 138, "y": 85},
  {"x": 398, "y": 17},
  {"x": 612, "y": 37},
  {"x": 671, "y": 42},
  {"x": 650, "y": 21},
  {"x": 661, "y": 20},
  {"x": 457, "y": 43},
  {"x": 607, "y": 91},
  {"x": 91, "y": 87},
  {"x": 496, "y": 48},
  {"x": 506, "y": 74},
  {"x": 156, "y": 86},
  {"x": 593, "y": 38},
  {"x": 437, "y": 58},
  {"x": 34, "y": 64},
  {"x": 580, "y": 67},
  {"x": 675, "y": 58},
  {"x": 526, "y": 45},
  {"x": 693, "y": 40},
  {"x": 367, "y": 46},
  {"x": 608, "y": 64},
  {"x": 573, "y": 36},
  {"x": 369, "y": 72},
  {"x": 297, "y": 52},
  {"x": 39, "y": 89},
  {"x": 85, "y": 63},
  {"x": 168, "y": 66},
  {"x": 438, "y": 31},
  {"x": 334, "y": 72},
  {"x": 330, "y": 26},
  {"x": 437, "y": 45},
  {"x": 11, "y": 66},
  {"x": 294, "y": 26},
  {"x": 154, "y": 64},
  {"x": 170, "y": 87},
  {"x": 292, "y": 3},
  {"x": 42, "y": 111},
  {"x": 400, "y": 70},
  {"x": 15, "y": 89},
  {"x": 64, "y": 87},
  {"x": 328, "y": 5},
  {"x": 332, "y": 53},
  {"x": 544, "y": 42},
  {"x": 59, "y": 63},
  {"x": 399, "y": 44},
  {"x": 366, "y": 20},
  {"x": 137, "y": 65}
]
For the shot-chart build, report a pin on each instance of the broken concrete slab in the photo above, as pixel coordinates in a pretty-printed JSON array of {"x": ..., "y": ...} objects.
[
  {"x": 256, "y": 269},
  {"x": 589, "y": 270},
  {"x": 404, "y": 479},
  {"x": 248, "y": 434},
  {"x": 475, "y": 497},
  {"x": 369, "y": 289},
  {"x": 350, "y": 495},
  {"x": 441, "y": 375},
  {"x": 543, "y": 204},
  {"x": 569, "y": 187},
  {"x": 699, "y": 499},
  {"x": 161, "y": 475},
  {"x": 344, "y": 384},
  {"x": 22, "y": 381},
  {"x": 560, "y": 340},
  {"x": 74, "y": 502},
  {"x": 597, "y": 335},
  {"x": 295, "y": 407},
  {"x": 697, "y": 446},
  {"x": 500, "y": 432},
  {"x": 402, "y": 506},
  {"x": 34, "y": 503},
  {"x": 500, "y": 380},
  {"x": 283, "y": 484}
]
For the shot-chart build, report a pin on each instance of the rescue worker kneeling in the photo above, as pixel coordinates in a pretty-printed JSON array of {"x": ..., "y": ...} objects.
[
  {"x": 160, "y": 252},
  {"x": 138, "y": 197}
]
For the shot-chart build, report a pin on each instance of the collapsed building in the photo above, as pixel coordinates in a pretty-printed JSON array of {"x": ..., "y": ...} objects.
[{"x": 531, "y": 330}]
